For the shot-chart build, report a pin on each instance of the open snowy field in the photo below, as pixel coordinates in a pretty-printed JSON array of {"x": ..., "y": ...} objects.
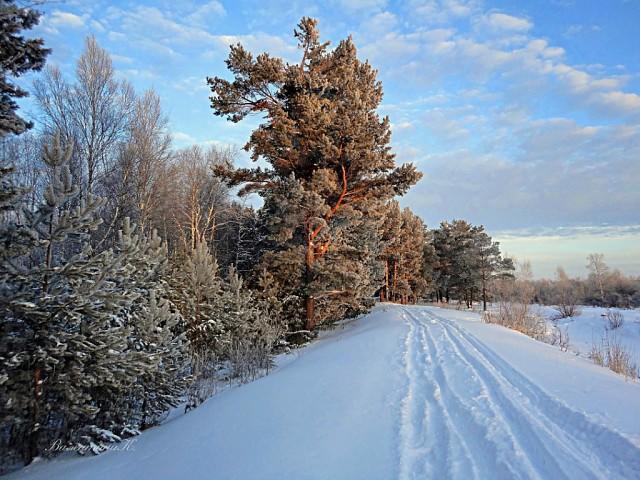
[
  {"x": 405, "y": 392},
  {"x": 591, "y": 326}
]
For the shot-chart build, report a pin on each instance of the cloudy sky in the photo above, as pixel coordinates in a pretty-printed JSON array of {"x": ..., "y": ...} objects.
[{"x": 523, "y": 116}]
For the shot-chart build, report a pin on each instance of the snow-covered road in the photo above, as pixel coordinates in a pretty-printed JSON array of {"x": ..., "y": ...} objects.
[
  {"x": 404, "y": 392},
  {"x": 469, "y": 414}
]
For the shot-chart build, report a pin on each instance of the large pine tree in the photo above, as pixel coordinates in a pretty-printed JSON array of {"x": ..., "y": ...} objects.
[{"x": 327, "y": 149}]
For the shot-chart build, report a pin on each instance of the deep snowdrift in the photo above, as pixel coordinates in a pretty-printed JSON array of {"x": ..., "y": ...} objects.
[{"x": 405, "y": 392}]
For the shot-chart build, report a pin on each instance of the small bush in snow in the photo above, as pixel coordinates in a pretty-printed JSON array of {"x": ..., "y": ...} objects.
[
  {"x": 597, "y": 354},
  {"x": 564, "y": 339},
  {"x": 566, "y": 310},
  {"x": 612, "y": 354},
  {"x": 518, "y": 317},
  {"x": 619, "y": 360},
  {"x": 561, "y": 338},
  {"x": 615, "y": 319}
]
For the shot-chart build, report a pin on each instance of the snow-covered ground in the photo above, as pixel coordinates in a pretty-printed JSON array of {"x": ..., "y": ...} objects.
[
  {"x": 405, "y": 392},
  {"x": 590, "y": 326}
]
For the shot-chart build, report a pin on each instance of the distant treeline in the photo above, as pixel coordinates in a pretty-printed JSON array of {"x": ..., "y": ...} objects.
[{"x": 602, "y": 287}]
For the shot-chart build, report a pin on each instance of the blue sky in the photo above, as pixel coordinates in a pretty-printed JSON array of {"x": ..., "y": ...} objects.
[{"x": 523, "y": 116}]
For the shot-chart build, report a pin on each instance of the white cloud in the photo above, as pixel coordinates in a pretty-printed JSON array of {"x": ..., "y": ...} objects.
[
  {"x": 379, "y": 23},
  {"x": 615, "y": 231},
  {"x": 574, "y": 30},
  {"x": 142, "y": 73},
  {"x": 541, "y": 47},
  {"x": 396, "y": 127},
  {"x": 255, "y": 43},
  {"x": 528, "y": 172},
  {"x": 358, "y": 5},
  {"x": 620, "y": 101},
  {"x": 67, "y": 19},
  {"x": 156, "y": 32},
  {"x": 97, "y": 26},
  {"x": 116, "y": 36},
  {"x": 502, "y": 21},
  {"x": 208, "y": 11},
  {"x": 532, "y": 65},
  {"x": 182, "y": 137},
  {"x": 191, "y": 85},
  {"x": 121, "y": 58},
  {"x": 440, "y": 11}
]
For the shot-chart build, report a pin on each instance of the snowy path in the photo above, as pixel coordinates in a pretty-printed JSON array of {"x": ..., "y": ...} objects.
[
  {"x": 407, "y": 393},
  {"x": 468, "y": 414}
]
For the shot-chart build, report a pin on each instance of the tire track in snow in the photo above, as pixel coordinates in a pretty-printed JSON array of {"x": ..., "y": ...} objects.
[
  {"x": 538, "y": 453},
  {"x": 466, "y": 401},
  {"x": 467, "y": 413},
  {"x": 435, "y": 428},
  {"x": 421, "y": 426},
  {"x": 585, "y": 448},
  {"x": 460, "y": 463}
]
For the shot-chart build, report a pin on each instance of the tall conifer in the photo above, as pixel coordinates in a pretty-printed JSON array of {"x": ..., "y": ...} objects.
[{"x": 321, "y": 137}]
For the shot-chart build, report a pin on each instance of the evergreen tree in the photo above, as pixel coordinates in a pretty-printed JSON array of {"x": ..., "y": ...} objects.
[
  {"x": 17, "y": 57},
  {"x": 158, "y": 340},
  {"x": 465, "y": 260},
  {"x": 489, "y": 262},
  {"x": 327, "y": 149},
  {"x": 197, "y": 293},
  {"x": 404, "y": 255},
  {"x": 58, "y": 339},
  {"x": 155, "y": 342},
  {"x": 90, "y": 349},
  {"x": 251, "y": 326},
  {"x": 453, "y": 246},
  {"x": 198, "y": 288}
]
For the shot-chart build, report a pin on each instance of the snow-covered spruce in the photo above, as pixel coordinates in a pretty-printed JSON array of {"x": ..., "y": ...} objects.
[{"x": 88, "y": 344}]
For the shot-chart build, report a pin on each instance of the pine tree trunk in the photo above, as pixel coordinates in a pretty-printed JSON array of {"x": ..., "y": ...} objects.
[
  {"x": 386, "y": 279},
  {"x": 395, "y": 279},
  {"x": 484, "y": 297},
  {"x": 32, "y": 447},
  {"x": 143, "y": 424},
  {"x": 309, "y": 301}
]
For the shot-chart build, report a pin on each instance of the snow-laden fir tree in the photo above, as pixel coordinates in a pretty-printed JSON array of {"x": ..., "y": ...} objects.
[
  {"x": 156, "y": 348},
  {"x": 157, "y": 340},
  {"x": 251, "y": 326},
  {"x": 58, "y": 342},
  {"x": 197, "y": 292},
  {"x": 80, "y": 361}
]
